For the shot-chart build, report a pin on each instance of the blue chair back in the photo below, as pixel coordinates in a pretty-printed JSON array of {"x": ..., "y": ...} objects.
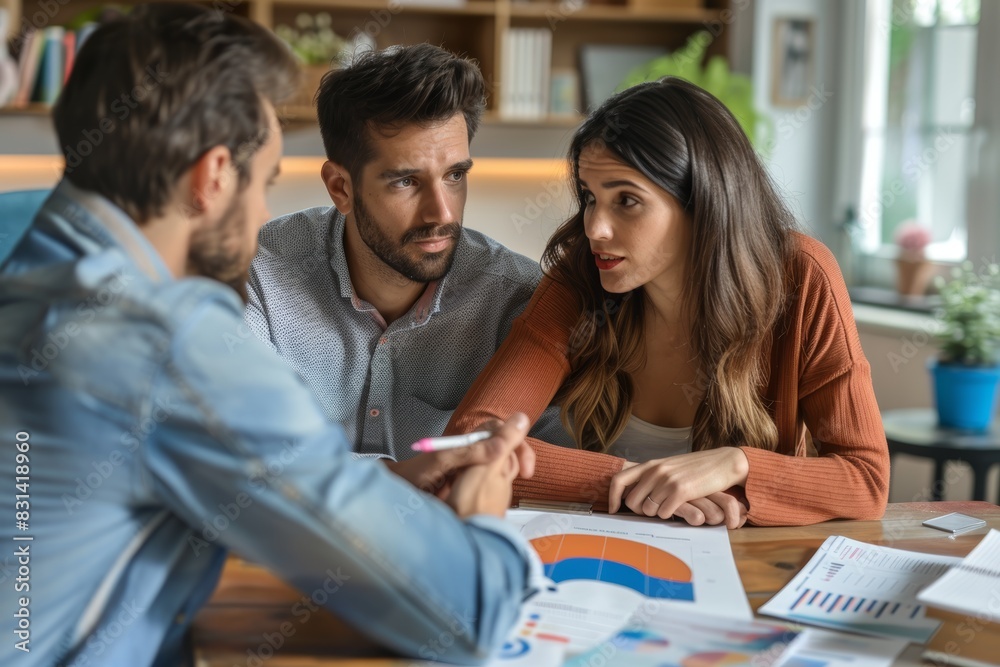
[{"x": 17, "y": 211}]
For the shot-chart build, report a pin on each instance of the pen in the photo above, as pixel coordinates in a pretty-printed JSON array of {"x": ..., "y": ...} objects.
[{"x": 449, "y": 442}]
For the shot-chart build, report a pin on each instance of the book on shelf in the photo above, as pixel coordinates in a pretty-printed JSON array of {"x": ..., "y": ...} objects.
[
  {"x": 506, "y": 74},
  {"x": 525, "y": 72},
  {"x": 27, "y": 65},
  {"x": 967, "y": 602},
  {"x": 51, "y": 68},
  {"x": 46, "y": 60},
  {"x": 69, "y": 52}
]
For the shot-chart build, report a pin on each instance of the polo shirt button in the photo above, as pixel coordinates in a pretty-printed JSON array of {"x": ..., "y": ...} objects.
[{"x": 374, "y": 412}]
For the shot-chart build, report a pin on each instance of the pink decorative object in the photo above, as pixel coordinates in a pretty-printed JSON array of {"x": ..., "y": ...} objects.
[
  {"x": 913, "y": 271},
  {"x": 912, "y": 238}
]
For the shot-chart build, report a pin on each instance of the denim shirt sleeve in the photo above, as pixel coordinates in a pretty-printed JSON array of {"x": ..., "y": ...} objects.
[{"x": 248, "y": 460}]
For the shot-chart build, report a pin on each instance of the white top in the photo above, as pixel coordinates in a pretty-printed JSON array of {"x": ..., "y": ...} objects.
[{"x": 642, "y": 441}]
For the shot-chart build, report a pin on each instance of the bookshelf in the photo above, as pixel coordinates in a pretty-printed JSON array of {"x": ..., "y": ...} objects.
[{"x": 475, "y": 28}]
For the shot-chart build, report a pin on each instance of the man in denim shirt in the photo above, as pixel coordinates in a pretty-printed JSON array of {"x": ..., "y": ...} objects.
[
  {"x": 150, "y": 446},
  {"x": 383, "y": 303}
]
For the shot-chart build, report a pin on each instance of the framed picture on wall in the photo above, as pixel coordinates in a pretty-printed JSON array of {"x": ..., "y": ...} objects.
[{"x": 793, "y": 61}]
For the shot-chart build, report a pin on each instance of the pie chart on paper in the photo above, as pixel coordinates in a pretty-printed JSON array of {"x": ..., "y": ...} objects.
[{"x": 643, "y": 568}]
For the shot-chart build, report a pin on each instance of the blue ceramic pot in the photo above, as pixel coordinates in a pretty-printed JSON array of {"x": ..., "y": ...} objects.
[{"x": 966, "y": 396}]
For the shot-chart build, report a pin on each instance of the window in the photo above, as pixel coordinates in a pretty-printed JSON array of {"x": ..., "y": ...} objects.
[
  {"x": 918, "y": 123},
  {"x": 926, "y": 96}
]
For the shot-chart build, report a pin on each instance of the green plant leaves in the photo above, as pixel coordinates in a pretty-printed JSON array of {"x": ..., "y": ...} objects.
[
  {"x": 970, "y": 316},
  {"x": 733, "y": 89}
]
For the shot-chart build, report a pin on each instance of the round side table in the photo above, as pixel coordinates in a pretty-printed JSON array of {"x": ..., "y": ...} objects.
[{"x": 916, "y": 432}]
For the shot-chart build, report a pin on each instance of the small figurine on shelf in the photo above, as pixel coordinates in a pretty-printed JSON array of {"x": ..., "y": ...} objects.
[{"x": 913, "y": 271}]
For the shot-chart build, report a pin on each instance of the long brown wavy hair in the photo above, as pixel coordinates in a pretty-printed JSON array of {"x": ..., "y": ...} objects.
[{"x": 685, "y": 141}]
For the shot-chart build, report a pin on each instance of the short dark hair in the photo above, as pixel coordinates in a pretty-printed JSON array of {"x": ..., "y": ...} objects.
[
  {"x": 388, "y": 89},
  {"x": 151, "y": 92}
]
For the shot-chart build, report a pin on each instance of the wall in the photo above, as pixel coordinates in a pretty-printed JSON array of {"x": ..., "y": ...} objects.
[
  {"x": 802, "y": 146},
  {"x": 27, "y": 135},
  {"x": 984, "y": 172}
]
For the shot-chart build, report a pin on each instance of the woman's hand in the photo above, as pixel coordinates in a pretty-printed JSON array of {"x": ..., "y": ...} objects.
[
  {"x": 714, "y": 510},
  {"x": 687, "y": 485}
]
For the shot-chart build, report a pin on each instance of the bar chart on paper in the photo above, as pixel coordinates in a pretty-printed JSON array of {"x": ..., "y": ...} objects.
[{"x": 850, "y": 585}]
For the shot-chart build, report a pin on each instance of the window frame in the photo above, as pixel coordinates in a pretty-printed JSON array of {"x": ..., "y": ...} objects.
[{"x": 859, "y": 78}]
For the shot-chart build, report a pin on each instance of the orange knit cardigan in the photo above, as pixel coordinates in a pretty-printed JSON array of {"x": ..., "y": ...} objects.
[{"x": 818, "y": 379}]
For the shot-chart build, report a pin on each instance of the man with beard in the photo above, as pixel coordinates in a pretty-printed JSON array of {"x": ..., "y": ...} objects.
[
  {"x": 144, "y": 447},
  {"x": 383, "y": 303}
]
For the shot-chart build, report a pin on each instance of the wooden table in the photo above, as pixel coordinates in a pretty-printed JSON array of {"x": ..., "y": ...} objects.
[{"x": 242, "y": 621}]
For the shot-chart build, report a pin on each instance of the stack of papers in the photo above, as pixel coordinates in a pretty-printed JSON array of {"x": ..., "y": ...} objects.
[
  {"x": 629, "y": 591},
  {"x": 606, "y": 569},
  {"x": 967, "y": 601},
  {"x": 819, "y": 648},
  {"x": 972, "y": 586},
  {"x": 857, "y": 587},
  {"x": 659, "y": 635}
]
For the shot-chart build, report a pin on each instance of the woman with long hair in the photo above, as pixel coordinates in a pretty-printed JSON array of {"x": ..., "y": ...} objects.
[{"x": 691, "y": 335}]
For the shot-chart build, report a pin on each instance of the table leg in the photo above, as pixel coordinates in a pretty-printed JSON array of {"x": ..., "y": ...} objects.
[
  {"x": 979, "y": 481},
  {"x": 937, "y": 493}
]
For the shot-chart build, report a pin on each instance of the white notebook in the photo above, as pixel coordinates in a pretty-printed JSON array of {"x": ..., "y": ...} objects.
[{"x": 972, "y": 586}]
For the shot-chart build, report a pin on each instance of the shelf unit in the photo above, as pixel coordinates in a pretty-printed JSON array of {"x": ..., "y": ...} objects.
[{"x": 475, "y": 29}]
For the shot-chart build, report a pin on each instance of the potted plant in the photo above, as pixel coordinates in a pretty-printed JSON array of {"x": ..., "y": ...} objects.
[
  {"x": 913, "y": 271},
  {"x": 317, "y": 47},
  {"x": 967, "y": 371}
]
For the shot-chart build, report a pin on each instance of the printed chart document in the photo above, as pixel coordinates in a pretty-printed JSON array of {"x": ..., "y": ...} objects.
[
  {"x": 858, "y": 587},
  {"x": 659, "y": 635},
  {"x": 603, "y": 568},
  {"x": 823, "y": 648}
]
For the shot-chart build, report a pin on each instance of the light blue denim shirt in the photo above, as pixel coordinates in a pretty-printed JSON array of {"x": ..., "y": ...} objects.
[
  {"x": 154, "y": 445},
  {"x": 390, "y": 385}
]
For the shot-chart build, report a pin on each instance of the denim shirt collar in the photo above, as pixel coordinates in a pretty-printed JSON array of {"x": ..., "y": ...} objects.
[
  {"x": 94, "y": 223},
  {"x": 421, "y": 311}
]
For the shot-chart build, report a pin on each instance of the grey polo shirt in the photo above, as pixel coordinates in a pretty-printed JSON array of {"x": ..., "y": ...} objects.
[{"x": 387, "y": 386}]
